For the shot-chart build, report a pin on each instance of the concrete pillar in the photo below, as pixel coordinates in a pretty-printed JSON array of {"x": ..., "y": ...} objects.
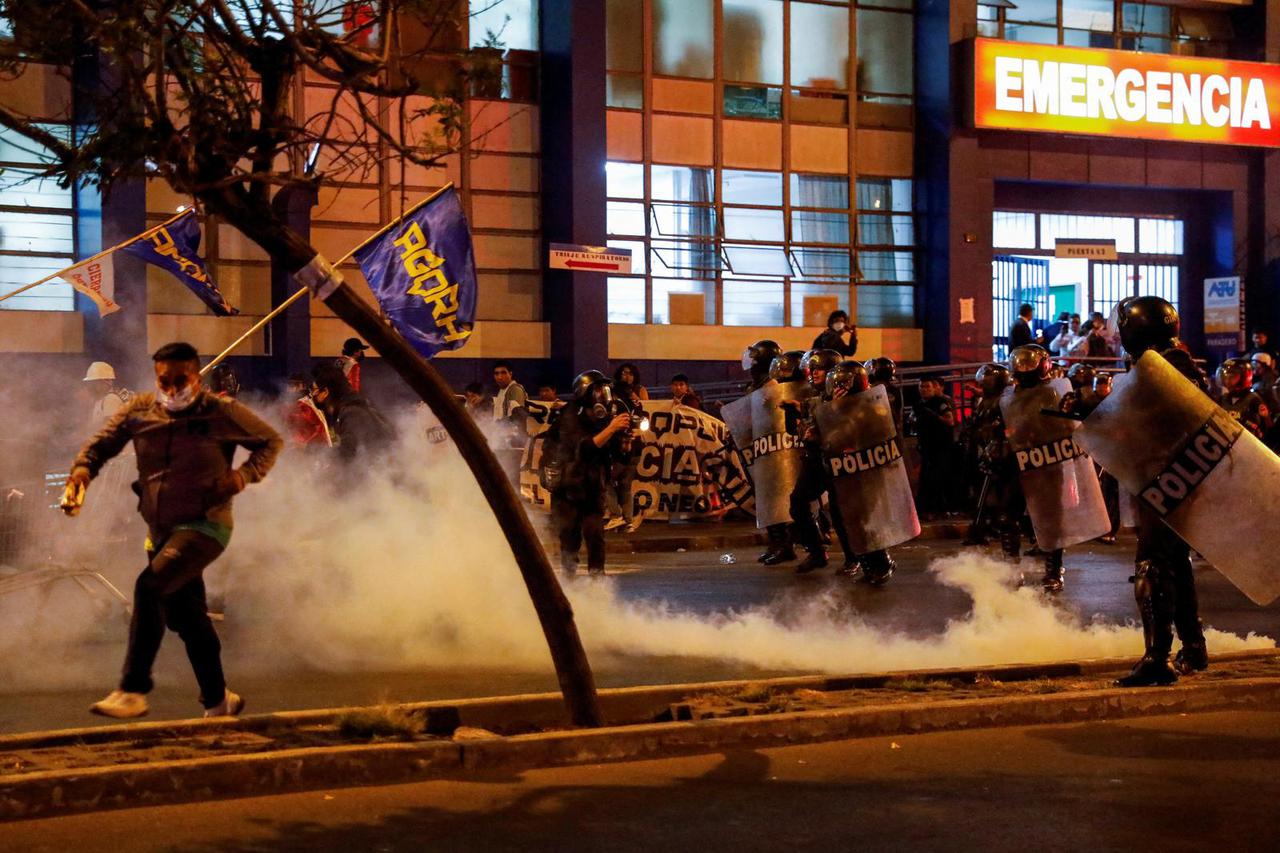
[{"x": 573, "y": 181}]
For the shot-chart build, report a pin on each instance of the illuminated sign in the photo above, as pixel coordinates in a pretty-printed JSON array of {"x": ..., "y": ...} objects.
[{"x": 1019, "y": 86}]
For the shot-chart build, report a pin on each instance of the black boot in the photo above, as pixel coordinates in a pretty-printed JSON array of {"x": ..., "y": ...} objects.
[
  {"x": 1193, "y": 656},
  {"x": 878, "y": 567},
  {"x": 1010, "y": 539},
  {"x": 1053, "y": 573},
  {"x": 817, "y": 559},
  {"x": 1153, "y": 591},
  {"x": 784, "y": 554}
]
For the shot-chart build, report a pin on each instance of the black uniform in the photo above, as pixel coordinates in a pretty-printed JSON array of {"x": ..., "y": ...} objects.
[
  {"x": 814, "y": 482},
  {"x": 984, "y": 438},
  {"x": 577, "y": 499},
  {"x": 936, "y": 437},
  {"x": 1163, "y": 582},
  {"x": 1250, "y": 410}
]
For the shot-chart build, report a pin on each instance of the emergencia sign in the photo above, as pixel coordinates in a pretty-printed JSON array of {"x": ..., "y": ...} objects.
[{"x": 1036, "y": 87}]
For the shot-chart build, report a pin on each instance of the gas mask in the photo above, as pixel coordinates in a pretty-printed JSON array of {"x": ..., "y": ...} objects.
[
  {"x": 602, "y": 408},
  {"x": 178, "y": 400}
]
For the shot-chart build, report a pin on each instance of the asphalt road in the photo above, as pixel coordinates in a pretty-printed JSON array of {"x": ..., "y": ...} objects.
[
  {"x": 913, "y": 604},
  {"x": 1172, "y": 783}
]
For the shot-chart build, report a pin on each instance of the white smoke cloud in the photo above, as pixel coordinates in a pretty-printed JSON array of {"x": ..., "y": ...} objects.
[{"x": 405, "y": 567}]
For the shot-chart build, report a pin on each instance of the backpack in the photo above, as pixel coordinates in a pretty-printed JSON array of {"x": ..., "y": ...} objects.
[{"x": 558, "y": 469}]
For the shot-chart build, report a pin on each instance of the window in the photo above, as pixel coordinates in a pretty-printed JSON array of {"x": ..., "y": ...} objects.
[
  {"x": 886, "y": 252},
  {"x": 752, "y": 302},
  {"x": 511, "y": 23},
  {"x": 624, "y": 54},
  {"x": 1118, "y": 228},
  {"x": 885, "y": 51},
  {"x": 1160, "y": 236},
  {"x": 626, "y": 299},
  {"x": 684, "y": 32},
  {"x": 820, "y": 46},
  {"x": 1013, "y": 230},
  {"x": 37, "y": 228},
  {"x": 753, "y": 41},
  {"x": 1152, "y": 27}
]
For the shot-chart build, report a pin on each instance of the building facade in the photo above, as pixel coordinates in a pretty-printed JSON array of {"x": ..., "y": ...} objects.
[{"x": 766, "y": 162}]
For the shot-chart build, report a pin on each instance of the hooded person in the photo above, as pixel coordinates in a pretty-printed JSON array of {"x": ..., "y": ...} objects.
[
  {"x": 349, "y": 362},
  {"x": 356, "y": 426},
  {"x": 185, "y": 439}
]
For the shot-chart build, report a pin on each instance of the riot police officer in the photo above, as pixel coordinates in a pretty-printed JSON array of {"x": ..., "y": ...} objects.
[
  {"x": 1235, "y": 376},
  {"x": 884, "y": 371},
  {"x": 815, "y": 480},
  {"x": 986, "y": 447},
  {"x": 1163, "y": 584},
  {"x": 1029, "y": 367},
  {"x": 757, "y": 361},
  {"x": 584, "y": 441},
  {"x": 889, "y": 516},
  {"x": 1082, "y": 377}
]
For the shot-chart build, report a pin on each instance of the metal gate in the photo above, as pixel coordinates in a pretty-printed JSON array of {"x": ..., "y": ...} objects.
[
  {"x": 1014, "y": 281},
  {"x": 1110, "y": 282}
]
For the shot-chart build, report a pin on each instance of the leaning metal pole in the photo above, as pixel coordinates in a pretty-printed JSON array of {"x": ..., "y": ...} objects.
[{"x": 554, "y": 611}]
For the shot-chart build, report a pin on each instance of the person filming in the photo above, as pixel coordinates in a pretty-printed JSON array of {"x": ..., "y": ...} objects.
[{"x": 588, "y": 437}]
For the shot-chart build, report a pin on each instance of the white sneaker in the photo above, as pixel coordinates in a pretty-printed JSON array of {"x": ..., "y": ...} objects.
[
  {"x": 231, "y": 706},
  {"x": 121, "y": 705},
  {"x": 614, "y": 523}
]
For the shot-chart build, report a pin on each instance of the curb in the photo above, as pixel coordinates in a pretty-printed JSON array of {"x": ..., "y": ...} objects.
[
  {"x": 48, "y": 793},
  {"x": 621, "y": 706},
  {"x": 53, "y": 793}
]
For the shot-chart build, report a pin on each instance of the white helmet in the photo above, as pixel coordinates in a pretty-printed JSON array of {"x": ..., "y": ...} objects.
[{"x": 99, "y": 370}]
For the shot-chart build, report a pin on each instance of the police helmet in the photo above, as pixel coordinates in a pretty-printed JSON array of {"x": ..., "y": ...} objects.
[
  {"x": 882, "y": 370},
  {"x": 1235, "y": 374},
  {"x": 1147, "y": 322},
  {"x": 1029, "y": 364},
  {"x": 787, "y": 366},
  {"x": 585, "y": 383},
  {"x": 224, "y": 380},
  {"x": 1081, "y": 375},
  {"x": 1263, "y": 361},
  {"x": 847, "y": 377},
  {"x": 1102, "y": 385},
  {"x": 817, "y": 363},
  {"x": 758, "y": 357},
  {"x": 993, "y": 378}
]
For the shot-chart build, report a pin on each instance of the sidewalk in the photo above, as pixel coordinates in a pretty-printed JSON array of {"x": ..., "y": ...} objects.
[
  {"x": 50, "y": 773},
  {"x": 668, "y": 537}
]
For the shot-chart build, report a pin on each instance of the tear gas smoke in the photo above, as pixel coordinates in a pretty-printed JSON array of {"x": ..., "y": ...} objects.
[{"x": 406, "y": 568}]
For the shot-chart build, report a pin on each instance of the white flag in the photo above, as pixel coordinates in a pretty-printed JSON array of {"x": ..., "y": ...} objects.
[{"x": 96, "y": 280}]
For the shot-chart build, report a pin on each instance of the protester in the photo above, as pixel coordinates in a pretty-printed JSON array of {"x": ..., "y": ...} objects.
[
  {"x": 585, "y": 439},
  {"x": 547, "y": 393},
  {"x": 626, "y": 383},
  {"x": 935, "y": 431},
  {"x": 352, "y": 354},
  {"x": 510, "y": 398},
  {"x": 1020, "y": 333},
  {"x": 682, "y": 394},
  {"x": 100, "y": 379},
  {"x": 185, "y": 438},
  {"x": 358, "y": 428},
  {"x": 1262, "y": 344},
  {"x": 1064, "y": 344},
  {"x": 477, "y": 402},
  {"x": 840, "y": 335},
  {"x": 307, "y": 426}
]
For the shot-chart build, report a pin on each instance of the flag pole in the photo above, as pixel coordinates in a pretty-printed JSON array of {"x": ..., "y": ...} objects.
[
  {"x": 275, "y": 312},
  {"x": 101, "y": 254}
]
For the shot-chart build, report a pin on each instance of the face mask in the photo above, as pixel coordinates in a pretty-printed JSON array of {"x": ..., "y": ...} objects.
[
  {"x": 837, "y": 327},
  {"x": 178, "y": 401}
]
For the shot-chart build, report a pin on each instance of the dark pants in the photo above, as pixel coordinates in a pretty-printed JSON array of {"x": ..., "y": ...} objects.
[
  {"x": 937, "y": 488},
  {"x": 1111, "y": 496},
  {"x": 1173, "y": 583},
  {"x": 1013, "y": 509},
  {"x": 576, "y": 521},
  {"x": 811, "y": 486},
  {"x": 170, "y": 593}
]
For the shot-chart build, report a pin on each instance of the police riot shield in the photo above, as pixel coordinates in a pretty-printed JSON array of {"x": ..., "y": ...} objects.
[
  {"x": 771, "y": 454},
  {"x": 869, "y": 477},
  {"x": 1195, "y": 467},
  {"x": 1058, "y": 480}
]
